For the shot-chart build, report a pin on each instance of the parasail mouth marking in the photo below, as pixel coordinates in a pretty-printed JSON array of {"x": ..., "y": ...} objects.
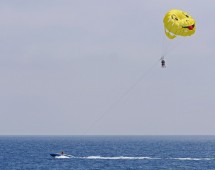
[{"x": 190, "y": 27}]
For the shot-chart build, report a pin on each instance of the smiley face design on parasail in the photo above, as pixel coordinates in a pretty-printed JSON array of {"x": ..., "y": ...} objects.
[{"x": 178, "y": 23}]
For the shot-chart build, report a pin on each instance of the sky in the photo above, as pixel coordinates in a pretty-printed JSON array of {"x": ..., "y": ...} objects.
[{"x": 92, "y": 68}]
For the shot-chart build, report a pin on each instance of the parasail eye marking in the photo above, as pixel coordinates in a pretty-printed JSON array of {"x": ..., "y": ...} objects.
[{"x": 174, "y": 17}]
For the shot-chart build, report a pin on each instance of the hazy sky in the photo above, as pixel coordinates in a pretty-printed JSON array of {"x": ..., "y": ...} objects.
[{"x": 67, "y": 67}]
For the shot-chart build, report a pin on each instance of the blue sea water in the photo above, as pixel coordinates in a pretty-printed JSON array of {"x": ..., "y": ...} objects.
[{"x": 107, "y": 152}]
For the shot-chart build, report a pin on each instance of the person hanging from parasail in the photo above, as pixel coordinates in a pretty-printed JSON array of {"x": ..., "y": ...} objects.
[{"x": 163, "y": 64}]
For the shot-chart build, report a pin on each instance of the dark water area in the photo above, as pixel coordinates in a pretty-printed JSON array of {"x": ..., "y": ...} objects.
[{"x": 107, "y": 152}]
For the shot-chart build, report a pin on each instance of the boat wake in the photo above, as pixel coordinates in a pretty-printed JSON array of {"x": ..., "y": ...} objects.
[
  {"x": 118, "y": 157},
  {"x": 64, "y": 156},
  {"x": 193, "y": 159},
  {"x": 133, "y": 158}
]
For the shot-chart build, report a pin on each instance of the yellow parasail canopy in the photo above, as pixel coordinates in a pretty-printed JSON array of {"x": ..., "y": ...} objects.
[{"x": 178, "y": 23}]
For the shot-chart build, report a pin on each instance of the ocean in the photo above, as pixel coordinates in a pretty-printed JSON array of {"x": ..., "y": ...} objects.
[{"x": 107, "y": 152}]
